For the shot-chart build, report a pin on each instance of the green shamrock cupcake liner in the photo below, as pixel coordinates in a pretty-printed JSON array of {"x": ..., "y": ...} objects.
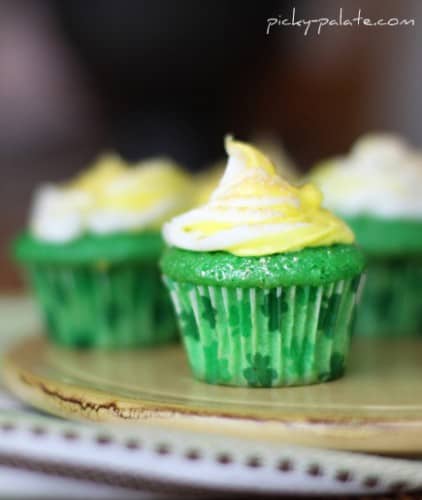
[
  {"x": 257, "y": 337},
  {"x": 391, "y": 300},
  {"x": 100, "y": 290},
  {"x": 115, "y": 306}
]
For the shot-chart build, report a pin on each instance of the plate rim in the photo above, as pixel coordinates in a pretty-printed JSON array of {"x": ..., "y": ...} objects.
[{"x": 59, "y": 399}]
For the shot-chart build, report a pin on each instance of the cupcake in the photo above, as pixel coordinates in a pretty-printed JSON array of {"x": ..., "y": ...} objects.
[
  {"x": 263, "y": 280},
  {"x": 91, "y": 253},
  {"x": 376, "y": 188}
]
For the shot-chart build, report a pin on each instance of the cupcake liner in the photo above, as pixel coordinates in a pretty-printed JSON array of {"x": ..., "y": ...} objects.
[
  {"x": 103, "y": 306},
  {"x": 265, "y": 337},
  {"x": 391, "y": 301}
]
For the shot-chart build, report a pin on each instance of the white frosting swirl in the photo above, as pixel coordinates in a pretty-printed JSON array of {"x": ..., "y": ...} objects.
[
  {"x": 382, "y": 176},
  {"x": 58, "y": 215},
  {"x": 253, "y": 211},
  {"x": 110, "y": 197}
]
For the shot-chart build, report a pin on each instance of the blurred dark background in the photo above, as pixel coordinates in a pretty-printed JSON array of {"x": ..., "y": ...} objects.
[{"x": 150, "y": 77}]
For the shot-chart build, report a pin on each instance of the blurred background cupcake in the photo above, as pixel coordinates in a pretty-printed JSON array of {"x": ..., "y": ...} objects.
[
  {"x": 263, "y": 280},
  {"x": 91, "y": 253},
  {"x": 377, "y": 189}
]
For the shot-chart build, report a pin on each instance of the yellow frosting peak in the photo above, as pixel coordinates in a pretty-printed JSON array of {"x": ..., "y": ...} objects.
[
  {"x": 112, "y": 196},
  {"x": 116, "y": 185},
  {"x": 248, "y": 154},
  {"x": 310, "y": 195},
  {"x": 105, "y": 169},
  {"x": 207, "y": 181},
  {"x": 148, "y": 183},
  {"x": 254, "y": 211}
]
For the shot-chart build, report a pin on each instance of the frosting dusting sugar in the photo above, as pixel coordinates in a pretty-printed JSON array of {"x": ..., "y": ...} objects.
[{"x": 254, "y": 212}]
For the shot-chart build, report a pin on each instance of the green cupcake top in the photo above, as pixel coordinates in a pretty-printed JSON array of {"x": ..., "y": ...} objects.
[
  {"x": 387, "y": 237},
  {"x": 105, "y": 248},
  {"x": 310, "y": 266}
]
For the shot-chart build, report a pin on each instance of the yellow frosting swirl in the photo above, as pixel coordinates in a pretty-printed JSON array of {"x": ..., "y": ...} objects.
[
  {"x": 111, "y": 196},
  {"x": 207, "y": 181},
  {"x": 255, "y": 212}
]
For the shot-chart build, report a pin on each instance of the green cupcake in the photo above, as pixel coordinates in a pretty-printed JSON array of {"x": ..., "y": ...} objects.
[
  {"x": 376, "y": 190},
  {"x": 264, "y": 282},
  {"x": 91, "y": 254}
]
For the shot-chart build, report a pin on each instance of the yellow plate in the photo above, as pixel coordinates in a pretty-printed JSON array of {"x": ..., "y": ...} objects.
[{"x": 376, "y": 407}]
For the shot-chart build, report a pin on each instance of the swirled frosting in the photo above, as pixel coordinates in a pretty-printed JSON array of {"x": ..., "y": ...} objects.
[
  {"x": 110, "y": 197},
  {"x": 382, "y": 176},
  {"x": 207, "y": 181},
  {"x": 253, "y": 212}
]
